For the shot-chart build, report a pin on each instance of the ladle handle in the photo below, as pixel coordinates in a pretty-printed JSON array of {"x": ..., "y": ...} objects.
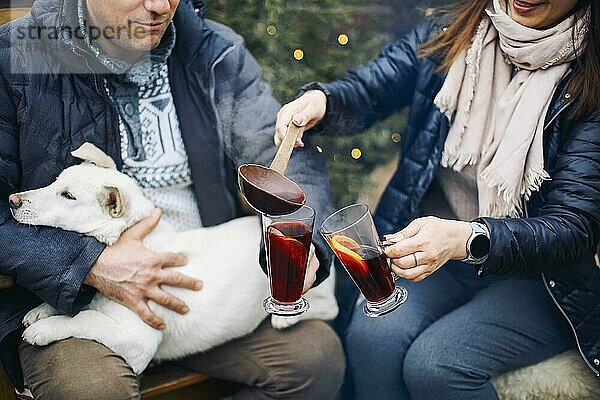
[{"x": 282, "y": 158}]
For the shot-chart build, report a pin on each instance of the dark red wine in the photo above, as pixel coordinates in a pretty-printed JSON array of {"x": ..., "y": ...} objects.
[
  {"x": 269, "y": 192},
  {"x": 370, "y": 271},
  {"x": 288, "y": 244}
]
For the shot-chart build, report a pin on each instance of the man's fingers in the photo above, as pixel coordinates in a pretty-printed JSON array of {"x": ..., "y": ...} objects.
[
  {"x": 148, "y": 316},
  {"x": 145, "y": 226},
  {"x": 311, "y": 271},
  {"x": 175, "y": 279},
  {"x": 168, "y": 260},
  {"x": 313, "y": 265},
  {"x": 166, "y": 300}
]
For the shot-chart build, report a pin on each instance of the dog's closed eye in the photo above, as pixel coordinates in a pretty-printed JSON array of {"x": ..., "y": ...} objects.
[{"x": 67, "y": 195}]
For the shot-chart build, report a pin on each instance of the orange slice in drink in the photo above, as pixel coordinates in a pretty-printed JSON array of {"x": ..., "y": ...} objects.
[
  {"x": 345, "y": 243},
  {"x": 346, "y": 248}
]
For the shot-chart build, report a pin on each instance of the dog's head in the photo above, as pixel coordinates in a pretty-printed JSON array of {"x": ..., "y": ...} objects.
[{"x": 91, "y": 198}]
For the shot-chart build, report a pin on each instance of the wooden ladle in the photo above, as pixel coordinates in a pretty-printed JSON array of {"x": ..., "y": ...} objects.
[{"x": 267, "y": 190}]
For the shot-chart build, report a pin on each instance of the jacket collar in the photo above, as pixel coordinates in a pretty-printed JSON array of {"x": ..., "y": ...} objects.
[
  {"x": 196, "y": 41},
  {"x": 561, "y": 101},
  {"x": 198, "y": 44}
]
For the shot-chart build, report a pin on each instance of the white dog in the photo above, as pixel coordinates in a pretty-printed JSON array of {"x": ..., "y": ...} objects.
[{"x": 95, "y": 199}]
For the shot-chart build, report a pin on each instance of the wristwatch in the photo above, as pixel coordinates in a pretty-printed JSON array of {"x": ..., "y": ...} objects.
[{"x": 478, "y": 245}]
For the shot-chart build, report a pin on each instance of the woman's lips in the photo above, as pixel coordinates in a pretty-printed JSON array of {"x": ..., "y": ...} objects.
[{"x": 524, "y": 7}]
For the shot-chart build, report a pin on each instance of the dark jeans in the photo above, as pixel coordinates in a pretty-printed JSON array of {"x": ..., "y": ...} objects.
[{"x": 455, "y": 332}]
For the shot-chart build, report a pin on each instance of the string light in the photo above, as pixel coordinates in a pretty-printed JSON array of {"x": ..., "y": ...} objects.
[
  {"x": 320, "y": 149},
  {"x": 298, "y": 54},
  {"x": 343, "y": 39},
  {"x": 396, "y": 137},
  {"x": 271, "y": 30},
  {"x": 356, "y": 153}
]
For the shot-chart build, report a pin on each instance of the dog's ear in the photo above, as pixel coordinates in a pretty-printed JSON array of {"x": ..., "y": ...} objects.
[
  {"x": 91, "y": 154},
  {"x": 112, "y": 202}
]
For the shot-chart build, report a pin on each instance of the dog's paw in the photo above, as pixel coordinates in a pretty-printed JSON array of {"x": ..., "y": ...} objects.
[
  {"x": 283, "y": 322},
  {"x": 44, "y": 332},
  {"x": 39, "y": 313},
  {"x": 137, "y": 357}
]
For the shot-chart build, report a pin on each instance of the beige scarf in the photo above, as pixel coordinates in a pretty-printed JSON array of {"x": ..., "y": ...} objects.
[{"x": 498, "y": 117}]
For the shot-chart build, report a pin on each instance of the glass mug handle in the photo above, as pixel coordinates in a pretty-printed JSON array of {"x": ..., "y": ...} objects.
[{"x": 384, "y": 245}]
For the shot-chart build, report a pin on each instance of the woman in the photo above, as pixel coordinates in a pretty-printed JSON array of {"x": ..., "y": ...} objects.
[{"x": 504, "y": 131}]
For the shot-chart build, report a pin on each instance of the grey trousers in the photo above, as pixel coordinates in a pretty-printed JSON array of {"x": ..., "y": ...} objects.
[{"x": 302, "y": 362}]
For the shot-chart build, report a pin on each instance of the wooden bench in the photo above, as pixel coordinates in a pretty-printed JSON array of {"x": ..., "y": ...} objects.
[{"x": 8, "y": 14}]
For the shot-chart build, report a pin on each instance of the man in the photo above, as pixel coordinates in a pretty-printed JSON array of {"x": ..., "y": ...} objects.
[{"x": 178, "y": 102}]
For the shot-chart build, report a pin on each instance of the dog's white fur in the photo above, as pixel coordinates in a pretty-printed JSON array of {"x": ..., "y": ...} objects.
[
  {"x": 95, "y": 199},
  {"x": 563, "y": 377}
]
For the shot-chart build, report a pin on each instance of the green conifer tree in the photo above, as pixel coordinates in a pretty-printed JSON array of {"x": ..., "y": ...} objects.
[{"x": 297, "y": 42}]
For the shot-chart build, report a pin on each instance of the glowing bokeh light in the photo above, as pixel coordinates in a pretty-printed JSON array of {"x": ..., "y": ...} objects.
[{"x": 343, "y": 39}]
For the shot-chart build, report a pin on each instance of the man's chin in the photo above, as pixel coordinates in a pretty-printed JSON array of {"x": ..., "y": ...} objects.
[{"x": 148, "y": 44}]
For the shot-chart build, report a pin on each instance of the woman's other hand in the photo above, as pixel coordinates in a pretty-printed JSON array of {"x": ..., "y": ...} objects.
[
  {"x": 306, "y": 112},
  {"x": 427, "y": 244}
]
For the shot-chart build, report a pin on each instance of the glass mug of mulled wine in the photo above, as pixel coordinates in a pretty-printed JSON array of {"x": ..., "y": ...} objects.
[
  {"x": 287, "y": 240},
  {"x": 351, "y": 234}
]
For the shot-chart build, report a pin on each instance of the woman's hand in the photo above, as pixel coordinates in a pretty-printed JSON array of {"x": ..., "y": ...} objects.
[
  {"x": 425, "y": 245},
  {"x": 306, "y": 112}
]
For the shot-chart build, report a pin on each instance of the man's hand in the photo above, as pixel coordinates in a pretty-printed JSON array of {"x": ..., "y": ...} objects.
[
  {"x": 311, "y": 270},
  {"x": 130, "y": 274},
  {"x": 425, "y": 245},
  {"x": 306, "y": 112}
]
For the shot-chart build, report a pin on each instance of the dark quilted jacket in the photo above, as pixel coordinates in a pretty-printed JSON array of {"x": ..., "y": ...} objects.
[
  {"x": 226, "y": 115},
  {"x": 558, "y": 237}
]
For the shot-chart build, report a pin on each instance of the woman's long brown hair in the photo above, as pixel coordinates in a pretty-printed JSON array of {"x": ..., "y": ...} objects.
[{"x": 585, "y": 82}]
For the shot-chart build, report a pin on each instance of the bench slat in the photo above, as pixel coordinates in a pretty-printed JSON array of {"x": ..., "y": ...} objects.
[
  {"x": 8, "y": 14},
  {"x": 163, "y": 380}
]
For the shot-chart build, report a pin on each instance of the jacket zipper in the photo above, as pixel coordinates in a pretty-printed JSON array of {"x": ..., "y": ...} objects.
[
  {"x": 572, "y": 328},
  {"x": 563, "y": 108},
  {"x": 212, "y": 89},
  {"x": 596, "y": 372},
  {"x": 526, "y": 215},
  {"x": 102, "y": 93}
]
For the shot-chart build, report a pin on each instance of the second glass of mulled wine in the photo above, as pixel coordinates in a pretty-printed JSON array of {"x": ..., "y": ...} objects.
[
  {"x": 351, "y": 234},
  {"x": 288, "y": 239}
]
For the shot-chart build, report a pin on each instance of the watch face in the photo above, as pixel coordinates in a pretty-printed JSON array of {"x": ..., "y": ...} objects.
[{"x": 480, "y": 246}]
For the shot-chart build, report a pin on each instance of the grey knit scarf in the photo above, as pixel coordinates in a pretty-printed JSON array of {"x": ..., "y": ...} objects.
[{"x": 497, "y": 114}]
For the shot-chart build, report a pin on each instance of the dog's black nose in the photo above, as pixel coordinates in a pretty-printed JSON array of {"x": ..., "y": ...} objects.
[{"x": 15, "y": 201}]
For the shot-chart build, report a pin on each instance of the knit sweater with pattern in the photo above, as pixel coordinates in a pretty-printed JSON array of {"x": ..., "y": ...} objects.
[{"x": 152, "y": 147}]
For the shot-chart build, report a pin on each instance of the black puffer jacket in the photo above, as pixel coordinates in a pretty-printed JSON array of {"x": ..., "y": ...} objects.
[
  {"x": 226, "y": 115},
  {"x": 558, "y": 237}
]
